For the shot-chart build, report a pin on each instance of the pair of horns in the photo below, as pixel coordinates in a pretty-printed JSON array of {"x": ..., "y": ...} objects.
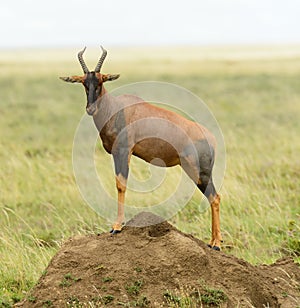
[{"x": 98, "y": 66}]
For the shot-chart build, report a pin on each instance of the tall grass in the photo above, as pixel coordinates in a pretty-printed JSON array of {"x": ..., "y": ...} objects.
[{"x": 255, "y": 100}]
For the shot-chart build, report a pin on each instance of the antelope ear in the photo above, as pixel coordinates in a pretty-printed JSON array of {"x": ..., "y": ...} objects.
[
  {"x": 72, "y": 79},
  {"x": 110, "y": 77}
]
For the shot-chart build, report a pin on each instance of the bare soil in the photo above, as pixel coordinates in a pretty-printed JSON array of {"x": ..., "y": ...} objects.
[{"x": 159, "y": 266}]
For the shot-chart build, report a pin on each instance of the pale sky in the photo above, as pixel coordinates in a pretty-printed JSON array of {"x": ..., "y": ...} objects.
[{"x": 64, "y": 23}]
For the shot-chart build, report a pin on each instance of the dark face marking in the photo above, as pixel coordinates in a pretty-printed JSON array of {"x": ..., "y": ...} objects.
[{"x": 93, "y": 87}]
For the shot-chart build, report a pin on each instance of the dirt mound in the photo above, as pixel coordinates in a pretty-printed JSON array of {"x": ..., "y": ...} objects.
[{"x": 159, "y": 266}]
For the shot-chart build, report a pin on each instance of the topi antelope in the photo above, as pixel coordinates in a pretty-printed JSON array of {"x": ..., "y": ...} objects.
[{"x": 129, "y": 126}]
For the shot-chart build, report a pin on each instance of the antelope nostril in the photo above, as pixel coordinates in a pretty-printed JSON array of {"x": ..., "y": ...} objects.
[{"x": 91, "y": 109}]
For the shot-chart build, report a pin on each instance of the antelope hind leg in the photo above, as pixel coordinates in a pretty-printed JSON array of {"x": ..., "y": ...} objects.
[
  {"x": 214, "y": 199},
  {"x": 216, "y": 239}
]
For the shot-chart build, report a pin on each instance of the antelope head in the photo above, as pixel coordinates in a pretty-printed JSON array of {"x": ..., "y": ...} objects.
[{"x": 92, "y": 81}]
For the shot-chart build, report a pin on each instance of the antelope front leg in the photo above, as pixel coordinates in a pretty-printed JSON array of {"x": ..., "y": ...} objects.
[
  {"x": 121, "y": 160},
  {"x": 121, "y": 187}
]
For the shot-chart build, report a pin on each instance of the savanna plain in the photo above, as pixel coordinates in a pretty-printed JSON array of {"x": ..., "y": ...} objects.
[{"x": 253, "y": 92}]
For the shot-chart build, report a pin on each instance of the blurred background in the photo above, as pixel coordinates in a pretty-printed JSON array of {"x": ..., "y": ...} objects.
[
  {"x": 33, "y": 23},
  {"x": 242, "y": 58}
]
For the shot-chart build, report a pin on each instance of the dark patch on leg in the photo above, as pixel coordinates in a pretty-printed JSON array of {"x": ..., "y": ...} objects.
[
  {"x": 197, "y": 159},
  {"x": 121, "y": 162},
  {"x": 120, "y": 150},
  {"x": 201, "y": 150},
  {"x": 208, "y": 189},
  {"x": 120, "y": 122}
]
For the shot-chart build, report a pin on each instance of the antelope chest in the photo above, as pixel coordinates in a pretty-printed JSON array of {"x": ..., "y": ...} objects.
[{"x": 114, "y": 132}]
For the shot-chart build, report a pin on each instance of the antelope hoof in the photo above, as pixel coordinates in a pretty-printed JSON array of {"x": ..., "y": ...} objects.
[
  {"x": 112, "y": 231},
  {"x": 117, "y": 228},
  {"x": 217, "y": 248}
]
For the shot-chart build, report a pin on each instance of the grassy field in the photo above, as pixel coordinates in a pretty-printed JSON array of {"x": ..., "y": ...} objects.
[{"x": 254, "y": 94}]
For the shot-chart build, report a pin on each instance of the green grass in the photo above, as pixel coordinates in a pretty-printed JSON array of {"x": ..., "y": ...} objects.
[
  {"x": 134, "y": 288},
  {"x": 207, "y": 297},
  {"x": 68, "y": 280},
  {"x": 255, "y": 100}
]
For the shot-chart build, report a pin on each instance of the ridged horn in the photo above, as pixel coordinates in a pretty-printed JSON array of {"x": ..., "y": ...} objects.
[
  {"x": 101, "y": 60},
  {"x": 82, "y": 63}
]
